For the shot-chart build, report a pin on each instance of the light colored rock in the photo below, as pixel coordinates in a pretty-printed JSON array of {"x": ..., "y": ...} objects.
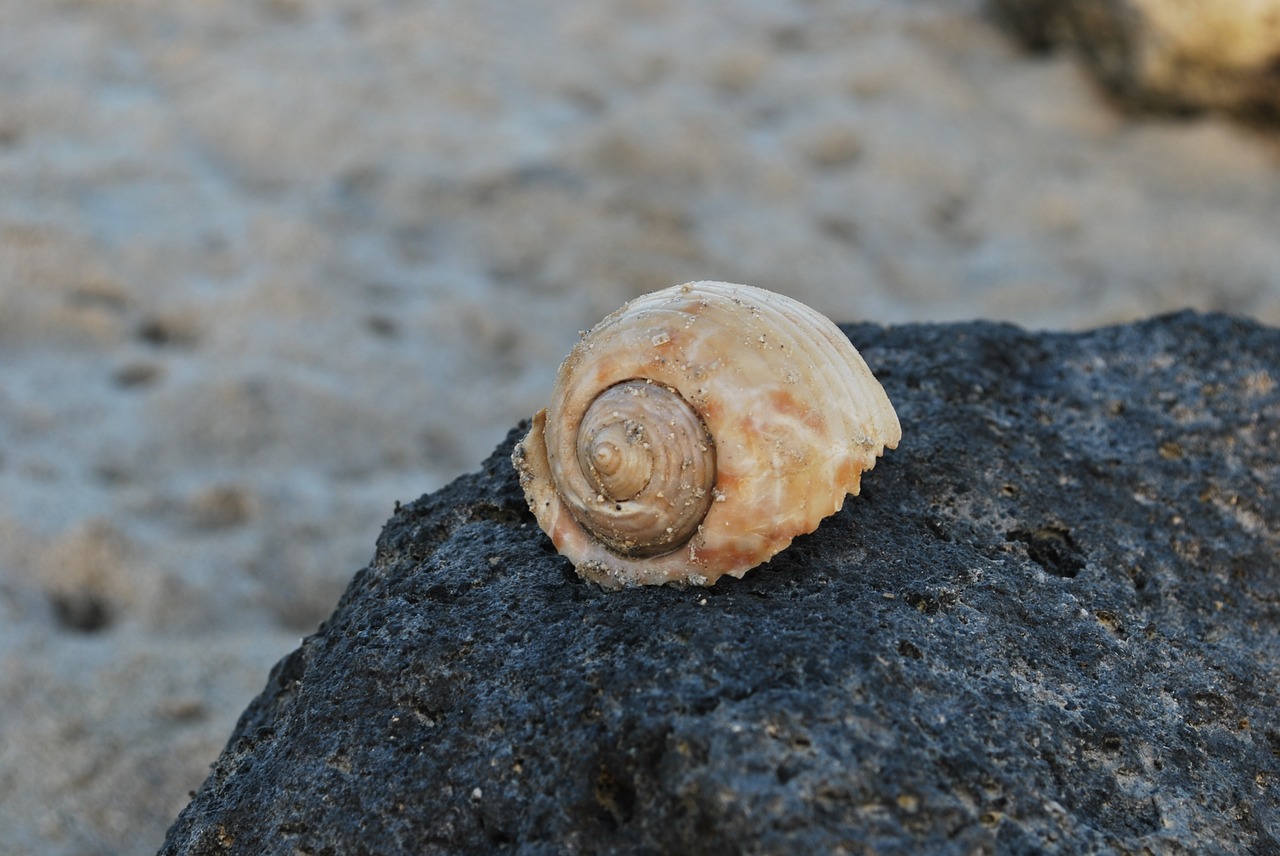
[{"x": 1167, "y": 54}]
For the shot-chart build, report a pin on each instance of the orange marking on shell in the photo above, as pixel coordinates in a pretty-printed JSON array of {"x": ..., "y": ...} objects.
[
  {"x": 848, "y": 473},
  {"x": 785, "y": 403}
]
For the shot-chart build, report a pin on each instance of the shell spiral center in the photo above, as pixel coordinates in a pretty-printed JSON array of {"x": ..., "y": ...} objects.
[{"x": 650, "y": 463}]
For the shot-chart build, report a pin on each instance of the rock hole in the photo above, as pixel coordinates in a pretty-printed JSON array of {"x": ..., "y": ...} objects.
[
  {"x": 909, "y": 649},
  {"x": 495, "y": 835},
  {"x": 920, "y": 602},
  {"x": 1207, "y": 707},
  {"x": 1112, "y": 622},
  {"x": 1052, "y": 548},
  {"x": 615, "y": 797},
  {"x": 167, "y": 332},
  {"x": 939, "y": 529},
  {"x": 82, "y": 612}
]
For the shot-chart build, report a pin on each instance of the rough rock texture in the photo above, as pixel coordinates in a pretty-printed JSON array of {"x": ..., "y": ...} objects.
[
  {"x": 1051, "y": 622},
  {"x": 1166, "y": 54}
]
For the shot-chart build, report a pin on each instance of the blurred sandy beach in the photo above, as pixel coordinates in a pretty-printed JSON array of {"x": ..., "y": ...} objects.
[{"x": 269, "y": 266}]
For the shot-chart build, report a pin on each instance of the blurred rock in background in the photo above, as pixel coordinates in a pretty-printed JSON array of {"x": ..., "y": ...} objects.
[{"x": 1166, "y": 55}]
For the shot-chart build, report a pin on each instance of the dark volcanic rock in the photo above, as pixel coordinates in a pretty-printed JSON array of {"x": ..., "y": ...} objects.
[{"x": 1051, "y": 622}]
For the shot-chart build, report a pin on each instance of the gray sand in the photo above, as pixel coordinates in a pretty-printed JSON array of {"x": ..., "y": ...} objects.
[{"x": 268, "y": 267}]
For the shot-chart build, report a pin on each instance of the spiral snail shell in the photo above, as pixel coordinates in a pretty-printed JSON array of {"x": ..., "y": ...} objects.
[{"x": 696, "y": 431}]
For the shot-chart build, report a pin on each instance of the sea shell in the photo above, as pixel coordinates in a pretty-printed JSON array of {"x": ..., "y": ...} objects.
[{"x": 696, "y": 431}]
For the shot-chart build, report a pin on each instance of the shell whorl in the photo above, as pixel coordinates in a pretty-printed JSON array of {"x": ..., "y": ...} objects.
[
  {"x": 645, "y": 469},
  {"x": 772, "y": 416}
]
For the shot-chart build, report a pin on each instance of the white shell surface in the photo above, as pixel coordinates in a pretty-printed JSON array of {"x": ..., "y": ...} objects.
[{"x": 794, "y": 412}]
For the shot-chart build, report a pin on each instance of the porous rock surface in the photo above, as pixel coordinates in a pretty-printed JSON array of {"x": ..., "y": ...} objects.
[
  {"x": 1169, "y": 55},
  {"x": 1050, "y": 623}
]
